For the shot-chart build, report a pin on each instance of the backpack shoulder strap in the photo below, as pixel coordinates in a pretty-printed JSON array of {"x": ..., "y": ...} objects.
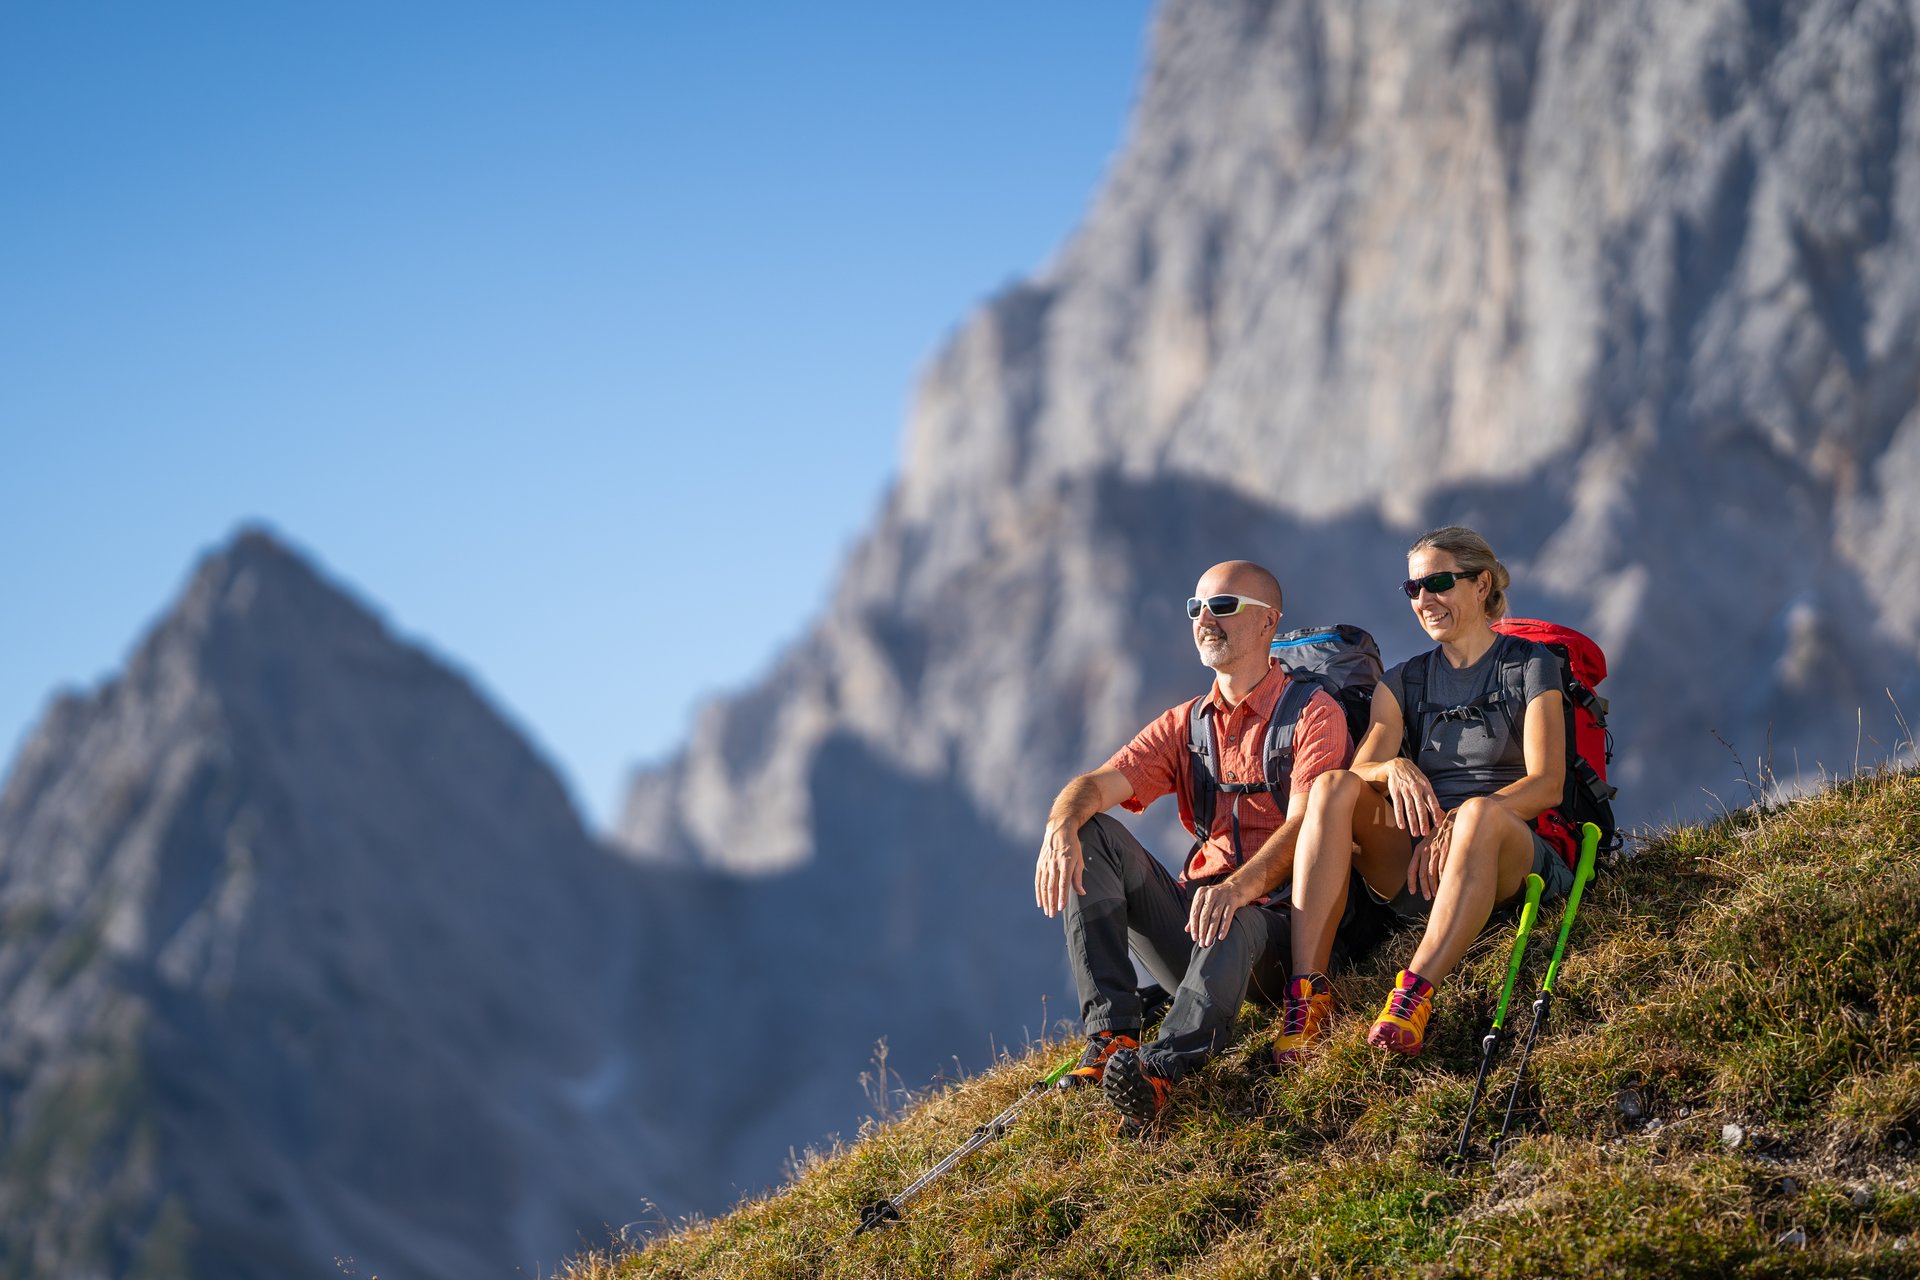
[
  {"x": 1514, "y": 651},
  {"x": 1413, "y": 706},
  {"x": 1278, "y": 751},
  {"x": 1203, "y": 766}
]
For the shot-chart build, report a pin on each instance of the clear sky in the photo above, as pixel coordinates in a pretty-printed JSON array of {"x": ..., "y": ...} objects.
[{"x": 576, "y": 338}]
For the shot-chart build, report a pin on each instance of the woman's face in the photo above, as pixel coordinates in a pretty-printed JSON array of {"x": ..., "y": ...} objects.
[{"x": 1447, "y": 615}]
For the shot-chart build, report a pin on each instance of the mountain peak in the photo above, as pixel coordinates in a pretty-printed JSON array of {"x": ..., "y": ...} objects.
[
  {"x": 309, "y": 888},
  {"x": 257, "y": 591}
]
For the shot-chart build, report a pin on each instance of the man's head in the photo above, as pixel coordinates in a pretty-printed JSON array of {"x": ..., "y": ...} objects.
[{"x": 1245, "y": 630}]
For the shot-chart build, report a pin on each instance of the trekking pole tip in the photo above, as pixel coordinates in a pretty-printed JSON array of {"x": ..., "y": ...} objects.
[{"x": 878, "y": 1214}]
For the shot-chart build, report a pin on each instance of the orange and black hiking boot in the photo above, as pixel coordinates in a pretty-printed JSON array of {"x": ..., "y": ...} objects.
[
  {"x": 1308, "y": 1009},
  {"x": 1402, "y": 1024},
  {"x": 1101, "y": 1045},
  {"x": 1133, "y": 1088}
]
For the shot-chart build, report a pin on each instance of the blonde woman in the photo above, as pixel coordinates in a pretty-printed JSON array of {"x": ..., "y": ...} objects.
[{"x": 1436, "y": 811}]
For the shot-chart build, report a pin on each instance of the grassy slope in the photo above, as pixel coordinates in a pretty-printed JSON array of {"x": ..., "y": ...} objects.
[{"x": 1762, "y": 971}]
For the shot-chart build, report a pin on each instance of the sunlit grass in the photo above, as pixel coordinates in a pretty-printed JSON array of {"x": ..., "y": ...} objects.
[{"x": 1730, "y": 1085}]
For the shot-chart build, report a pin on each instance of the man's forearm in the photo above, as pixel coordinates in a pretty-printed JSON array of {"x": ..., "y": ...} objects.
[
  {"x": 1077, "y": 802},
  {"x": 1271, "y": 865}
]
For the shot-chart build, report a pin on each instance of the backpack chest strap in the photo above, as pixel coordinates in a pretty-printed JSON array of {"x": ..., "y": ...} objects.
[
  {"x": 1509, "y": 694},
  {"x": 1276, "y": 763}
]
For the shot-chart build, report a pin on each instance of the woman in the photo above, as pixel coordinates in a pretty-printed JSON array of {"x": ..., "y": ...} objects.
[{"x": 1441, "y": 832}]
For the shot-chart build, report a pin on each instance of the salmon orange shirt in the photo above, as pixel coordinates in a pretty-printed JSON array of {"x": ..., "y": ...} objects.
[{"x": 1155, "y": 763}]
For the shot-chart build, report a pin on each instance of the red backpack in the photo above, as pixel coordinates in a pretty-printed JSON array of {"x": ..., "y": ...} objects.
[{"x": 1587, "y": 796}]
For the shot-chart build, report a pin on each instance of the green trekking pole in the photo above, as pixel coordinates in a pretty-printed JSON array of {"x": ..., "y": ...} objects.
[
  {"x": 882, "y": 1212},
  {"x": 1589, "y": 845},
  {"x": 1491, "y": 1042}
]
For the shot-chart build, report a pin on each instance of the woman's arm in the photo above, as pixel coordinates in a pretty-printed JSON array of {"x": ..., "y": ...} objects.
[
  {"x": 1544, "y": 738},
  {"x": 1379, "y": 763},
  {"x": 1381, "y": 744}
]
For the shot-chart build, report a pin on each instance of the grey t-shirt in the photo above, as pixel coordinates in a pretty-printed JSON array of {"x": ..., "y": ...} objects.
[{"x": 1479, "y": 750}]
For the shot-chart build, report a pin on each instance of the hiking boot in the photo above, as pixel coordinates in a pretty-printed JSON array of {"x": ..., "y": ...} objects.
[
  {"x": 1133, "y": 1089},
  {"x": 1309, "y": 1007},
  {"x": 1101, "y": 1045},
  {"x": 1402, "y": 1024}
]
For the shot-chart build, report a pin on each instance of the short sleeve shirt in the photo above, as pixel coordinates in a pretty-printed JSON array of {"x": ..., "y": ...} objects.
[
  {"x": 1155, "y": 763},
  {"x": 1477, "y": 749}
]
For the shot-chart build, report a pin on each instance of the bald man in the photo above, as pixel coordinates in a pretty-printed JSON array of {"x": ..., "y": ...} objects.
[{"x": 1207, "y": 935}]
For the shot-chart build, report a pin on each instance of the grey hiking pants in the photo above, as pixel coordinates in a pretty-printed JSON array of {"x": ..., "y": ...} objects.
[{"x": 1131, "y": 899}]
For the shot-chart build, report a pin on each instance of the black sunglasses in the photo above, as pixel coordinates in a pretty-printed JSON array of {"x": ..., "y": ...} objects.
[
  {"x": 1224, "y": 606},
  {"x": 1438, "y": 582}
]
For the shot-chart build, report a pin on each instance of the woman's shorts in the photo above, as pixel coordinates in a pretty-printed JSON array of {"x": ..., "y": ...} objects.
[{"x": 1408, "y": 905}]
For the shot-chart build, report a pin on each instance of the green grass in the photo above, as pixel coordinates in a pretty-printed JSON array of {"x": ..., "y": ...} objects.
[{"x": 1761, "y": 971}]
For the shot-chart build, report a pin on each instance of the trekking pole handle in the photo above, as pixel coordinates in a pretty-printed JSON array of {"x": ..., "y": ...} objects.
[
  {"x": 1589, "y": 848},
  {"x": 1053, "y": 1077},
  {"x": 1528, "y": 911}
]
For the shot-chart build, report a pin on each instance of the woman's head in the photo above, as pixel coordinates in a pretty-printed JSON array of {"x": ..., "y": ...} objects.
[{"x": 1477, "y": 595}]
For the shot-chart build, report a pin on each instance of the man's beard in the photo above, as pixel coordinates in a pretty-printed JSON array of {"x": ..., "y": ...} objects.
[{"x": 1213, "y": 648}]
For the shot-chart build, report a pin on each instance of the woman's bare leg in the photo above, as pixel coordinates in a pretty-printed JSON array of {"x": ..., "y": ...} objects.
[
  {"x": 1492, "y": 853},
  {"x": 1341, "y": 811}
]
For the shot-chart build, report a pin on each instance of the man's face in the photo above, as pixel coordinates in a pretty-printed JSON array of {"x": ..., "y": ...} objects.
[{"x": 1223, "y": 641}]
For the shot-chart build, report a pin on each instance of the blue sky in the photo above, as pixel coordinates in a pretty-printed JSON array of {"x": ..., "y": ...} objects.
[{"x": 576, "y": 339}]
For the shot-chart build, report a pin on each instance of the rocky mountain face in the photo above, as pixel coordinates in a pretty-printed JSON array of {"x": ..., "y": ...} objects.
[
  {"x": 1632, "y": 287},
  {"x": 304, "y": 955}
]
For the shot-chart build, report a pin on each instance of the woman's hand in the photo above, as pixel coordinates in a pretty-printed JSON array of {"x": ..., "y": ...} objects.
[
  {"x": 1416, "y": 809},
  {"x": 1429, "y": 859}
]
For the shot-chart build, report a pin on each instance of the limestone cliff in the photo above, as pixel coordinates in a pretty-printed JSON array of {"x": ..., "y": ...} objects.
[{"x": 1630, "y": 286}]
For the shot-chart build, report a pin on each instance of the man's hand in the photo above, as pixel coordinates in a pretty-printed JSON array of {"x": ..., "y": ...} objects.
[
  {"x": 1416, "y": 809},
  {"x": 1212, "y": 912},
  {"x": 1061, "y": 864},
  {"x": 1430, "y": 860}
]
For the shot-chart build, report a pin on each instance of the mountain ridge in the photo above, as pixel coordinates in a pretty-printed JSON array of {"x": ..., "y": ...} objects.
[{"x": 342, "y": 943}]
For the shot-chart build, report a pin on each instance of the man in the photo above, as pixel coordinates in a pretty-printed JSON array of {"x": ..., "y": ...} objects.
[{"x": 1204, "y": 936}]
